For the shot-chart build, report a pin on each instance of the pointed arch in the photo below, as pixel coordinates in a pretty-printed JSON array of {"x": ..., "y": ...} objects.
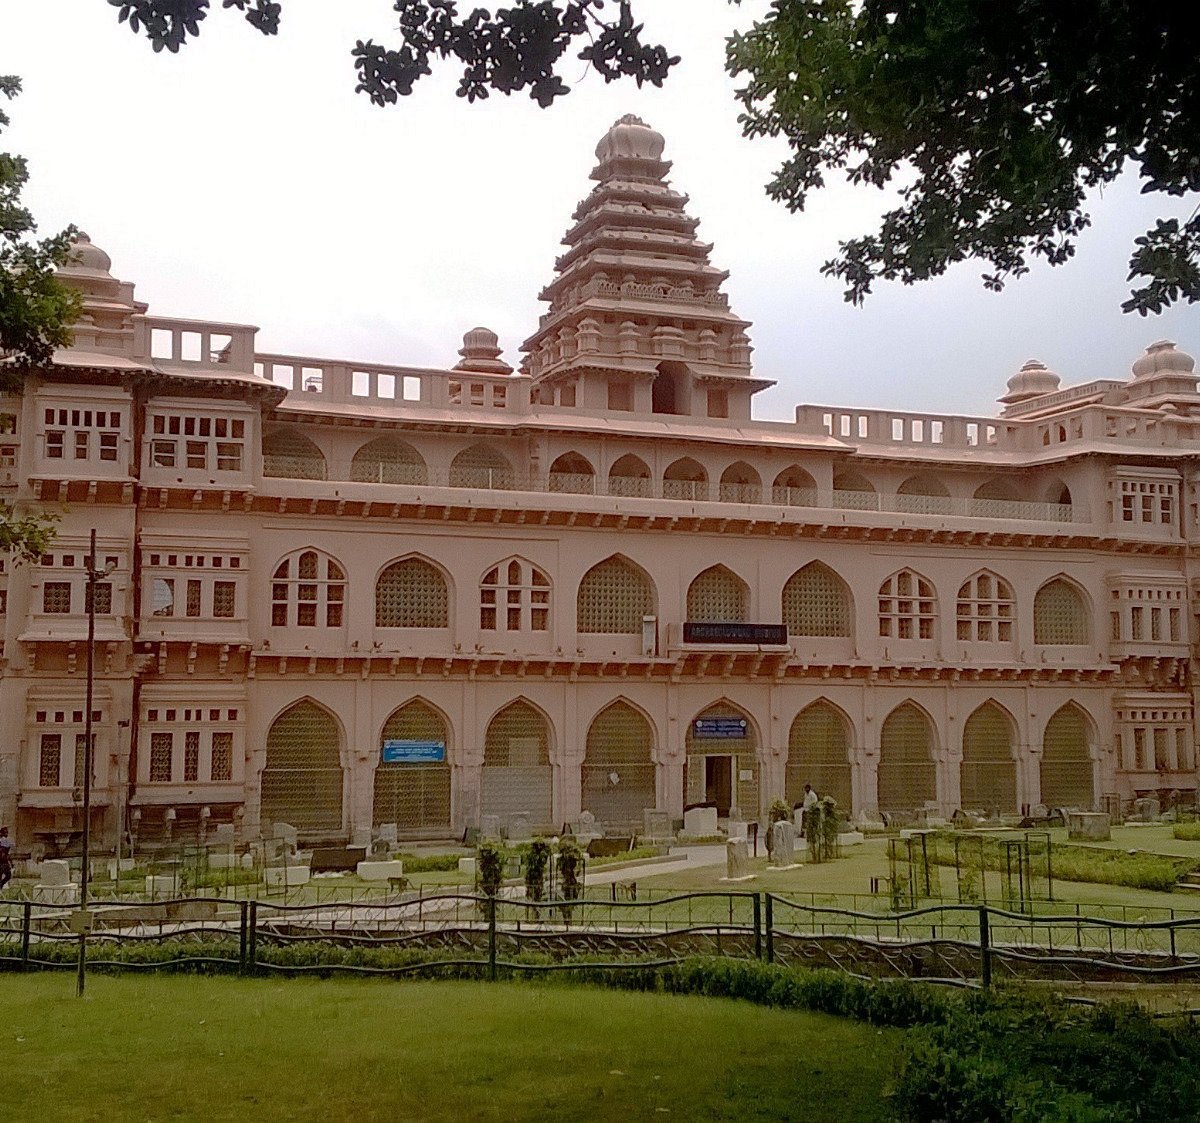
[
  {"x": 630, "y": 476},
  {"x": 817, "y": 602},
  {"x": 412, "y": 593},
  {"x": 514, "y": 596},
  {"x": 1000, "y": 488},
  {"x": 852, "y": 491},
  {"x": 988, "y": 773},
  {"x": 1067, "y": 767},
  {"x": 907, "y": 774},
  {"x": 572, "y": 474},
  {"x": 819, "y": 753},
  {"x": 618, "y": 765},
  {"x": 302, "y": 780},
  {"x": 290, "y": 454},
  {"x": 740, "y": 484},
  {"x": 685, "y": 479},
  {"x": 614, "y": 596},
  {"x": 718, "y": 595},
  {"x": 794, "y": 487},
  {"x": 517, "y": 774},
  {"x": 481, "y": 466},
  {"x": 1060, "y": 613},
  {"x": 308, "y": 590},
  {"x": 923, "y": 494},
  {"x": 388, "y": 460},
  {"x": 907, "y": 606},
  {"x": 414, "y": 796},
  {"x": 715, "y": 763},
  {"x": 985, "y": 609}
]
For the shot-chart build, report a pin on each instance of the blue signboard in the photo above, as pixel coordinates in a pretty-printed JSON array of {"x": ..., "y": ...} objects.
[
  {"x": 721, "y": 728},
  {"x": 414, "y": 752}
]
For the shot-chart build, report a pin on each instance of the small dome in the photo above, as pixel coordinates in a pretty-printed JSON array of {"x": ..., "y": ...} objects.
[
  {"x": 1163, "y": 358},
  {"x": 632, "y": 139},
  {"x": 1032, "y": 380},
  {"x": 481, "y": 352},
  {"x": 87, "y": 258}
]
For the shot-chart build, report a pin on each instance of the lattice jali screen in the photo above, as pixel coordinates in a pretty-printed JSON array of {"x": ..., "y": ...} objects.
[
  {"x": 412, "y": 594},
  {"x": 388, "y": 461},
  {"x": 985, "y": 610},
  {"x": 289, "y": 454},
  {"x": 907, "y": 775},
  {"x": 989, "y": 772},
  {"x": 302, "y": 780},
  {"x": 517, "y": 775},
  {"x": 743, "y": 749},
  {"x": 618, "y": 768},
  {"x": 49, "y": 760},
  {"x": 816, "y": 603},
  {"x": 718, "y": 595},
  {"x": 1067, "y": 771},
  {"x": 480, "y": 466},
  {"x": 416, "y": 797},
  {"x": 819, "y": 754},
  {"x": 1059, "y": 614},
  {"x": 613, "y": 597}
]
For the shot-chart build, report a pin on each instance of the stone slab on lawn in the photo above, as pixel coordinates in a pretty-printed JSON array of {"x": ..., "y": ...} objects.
[{"x": 380, "y": 871}]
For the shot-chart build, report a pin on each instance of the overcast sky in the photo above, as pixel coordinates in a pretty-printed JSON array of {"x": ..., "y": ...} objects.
[{"x": 244, "y": 180}]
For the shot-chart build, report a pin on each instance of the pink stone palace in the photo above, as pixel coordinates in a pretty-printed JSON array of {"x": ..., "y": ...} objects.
[{"x": 345, "y": 595}]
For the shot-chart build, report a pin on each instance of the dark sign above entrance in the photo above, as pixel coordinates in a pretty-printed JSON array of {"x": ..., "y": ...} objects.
[
  {"x": 706, "y": 632},
  {"x": 720, "y": 728}
]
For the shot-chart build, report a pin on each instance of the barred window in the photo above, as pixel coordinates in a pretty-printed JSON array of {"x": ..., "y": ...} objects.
[
  {"x": 985, "y": 610},
  {"x": 816, "y": 602},
  {"x": 49, "y": 760},
  {"x": 717, "y": 595},
  {"x": 56, "y": 597},
  {"x": 191, "y": 756},
  {"x": 193, "y": 598},
  {"x": 103, "y": 597},
  {"x": 224, "y": 599},
  {"x": 514, "y": 597},
  {"x": 412, "y": 594},
  {"x": 289, "y": 454},
  {"x": 481, "y": 467},
  {"x": 613, "y": 597},
  {"x": 162, "y": 746},
  {"x": 307, "y": 589},
  {"x": 387, "y": 460},
  {"x": 1059, "y": 614},
  {"x": 907, "y": 608},
  {"x": 222, "y": 757}
]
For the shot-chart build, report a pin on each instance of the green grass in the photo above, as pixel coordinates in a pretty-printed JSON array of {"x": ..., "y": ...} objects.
[{"x": 214, "y": 1048}]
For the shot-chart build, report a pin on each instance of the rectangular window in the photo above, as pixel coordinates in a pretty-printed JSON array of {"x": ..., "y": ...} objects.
[
  {"x": 80, "y": 742},
  {"x": 162, "y": 745},
  {"x": 223, "y": 599},
  {"x": 1156, "y": 630},
  {"x": 222, "y": 757},
  {"x": 49, "y": 759},
  {"x": 229, "y": 456},
  {"x": 55, "y": 439},
  {"x": 197, "y": 454},
  {"x": 193, "y": 598},
  {"x": 56, "y": 597},
  {"x": 1162, "y": 758},
  {"x": 1175, "y": 632},
  {"x": 162, "y": 454},
  {"x": 108, "y": 446},
  {"x": 1115, "y": 627},
  {"x": 162, "y": 597},
  {"x": 82, "y": 444},
  {"x": 1137, "y": 630},
  {"x": 103, "y": 598},
  {"x": 279, "y": 614},
  {"x": 191, "y": 756}
]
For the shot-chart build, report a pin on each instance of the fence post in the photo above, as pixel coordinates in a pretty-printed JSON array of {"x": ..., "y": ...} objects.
[
  {"x": 770, "y": 929},
  {"x": 492, "y": 938},
  {"x": 26, "y": 922},
  {"x": 757, "y": 926},
  {"x": 243, "y": 909},
  {"x": 985, "y": 947},
  {"x": 252, "y": 936}
]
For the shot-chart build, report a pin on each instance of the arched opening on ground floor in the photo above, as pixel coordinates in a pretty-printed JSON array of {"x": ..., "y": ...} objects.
[
  {"x": 1068, "y": 772},
  {"x": 907, "y": 775},
  {"x": 517, "y": 777},
  {"x": 618, "y": 767},
  {"x": 302, "y": 781},
  {"x": 988, "y": 774},
  {"x": 721, "y": 767},
  {"x": 415, "y": 793},
  {"x": 819, "y": 754}
]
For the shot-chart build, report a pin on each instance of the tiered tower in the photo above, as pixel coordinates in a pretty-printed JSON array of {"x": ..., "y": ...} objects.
[{"x": 637, "y": 319}]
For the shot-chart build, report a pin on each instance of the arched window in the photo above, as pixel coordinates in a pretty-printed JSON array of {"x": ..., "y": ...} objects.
[
  {"x": 740, "y": 484},
  {"x": 923, "y": 495},
  {"x": 516, "y": 773},
  {"x": 481, "y": 467},
  {"x": 1067, "y": 771},
  {"x": 302, "y": 780},
  {"x": 613, "y": 597},
  {"x": 387, "y": 460},
  {"x": 718, "y": 596},
  {"x": 907, "y": 779},
  {"x": 618, "y": 766},
  {"x": 854, "y": 492},
  {"x": 288, "y": 454},
  {"x": 572, "y": 474},
  {"x": 414, "y": 795},
  {"x": 816, "y": 602},
  {"x": 989, "y": 770},
  {"x": 514, "y": 596},
  {"x": 721, "y": 768},
  {"x": 907, "y": 609},
  {"x": 630, "y": 476},
  {"x": 1060, "y": 615},
  {"x": 985, "y": 610},
  {"x": 412, "y": 594},
  {"x": 819, "y": 754},
  {"x": 685, "y": 479},
  {"x": 308, "y": 590},
  {"x": 1001, "y": 489},
  {"x": 795, "y": 488}
]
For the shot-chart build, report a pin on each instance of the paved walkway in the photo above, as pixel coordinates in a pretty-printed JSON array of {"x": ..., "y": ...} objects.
[{"x": 683, "y": 858}]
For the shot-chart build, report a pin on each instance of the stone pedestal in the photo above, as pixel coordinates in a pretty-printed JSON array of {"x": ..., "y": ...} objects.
[
  {"x": 737, "y": 860},
  {"x": 380, "y": 871},
  {"x": 466, "y": 866},
  {"x": 287, "y": 833},
  {"x": 279, "y": 877},
  {"x": 851, "y": 838},
  {"x": 1146, "y": 809},
  {"x": 518, "y": 827},
  {"x": 55, "y": 895},
  {"x": 656, "y": 825},
  {"x": 489, "y": 828},
  {"x": 223, "y": 860},
  {"x": 161, "y": 885},
  {"x": 700, "y": 822},
  {"x": 55, "y": 872},
  {"x": 783, "y": 844},
  {"x": 1089, "y": 826}
]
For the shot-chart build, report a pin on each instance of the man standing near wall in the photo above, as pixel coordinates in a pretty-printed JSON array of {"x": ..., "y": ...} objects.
[{"x": 6, "y": 862}]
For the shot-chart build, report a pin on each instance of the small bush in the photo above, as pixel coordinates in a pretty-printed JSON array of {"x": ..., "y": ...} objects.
[
  {"x": 490, "y": 867},
  {"x": 1186, "y": 832},
  {"x": 429, "y": 863}
]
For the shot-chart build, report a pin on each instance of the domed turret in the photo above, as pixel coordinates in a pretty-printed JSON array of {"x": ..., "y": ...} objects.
[
  {"x": 481, "y": 353},
  {"x": 1032, "y": 381},
  {"x": 87, "y": 259},
  {"x": 630, "y": 138},
  {"x": 1163, "y": 358}
]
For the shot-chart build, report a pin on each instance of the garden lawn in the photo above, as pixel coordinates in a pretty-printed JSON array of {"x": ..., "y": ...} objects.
[{"x": 158, "y": 1047}]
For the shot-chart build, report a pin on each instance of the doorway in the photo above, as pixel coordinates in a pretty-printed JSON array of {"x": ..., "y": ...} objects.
[{"x": 718, "y": 783}]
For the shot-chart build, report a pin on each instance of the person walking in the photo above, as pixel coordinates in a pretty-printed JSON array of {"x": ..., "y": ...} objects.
[
  {"x": 6, "y": 859},
  {"x": 809, "y": 802}
]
